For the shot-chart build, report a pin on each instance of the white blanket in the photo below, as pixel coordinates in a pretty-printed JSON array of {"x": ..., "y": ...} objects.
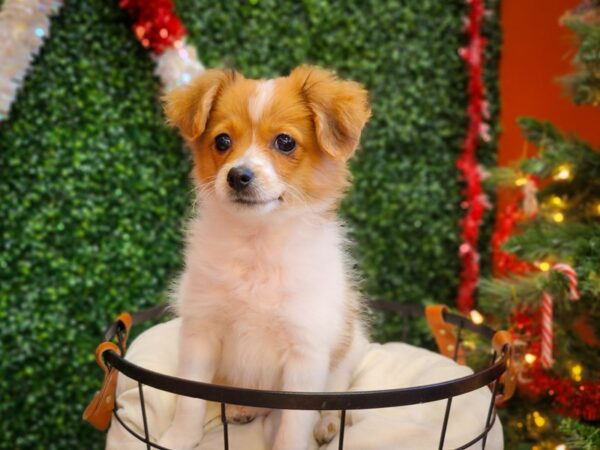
[{"x": 387, "y": 366}]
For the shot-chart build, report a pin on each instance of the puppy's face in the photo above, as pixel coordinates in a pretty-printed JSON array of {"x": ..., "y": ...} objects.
[{"x": 270, "y": 145}]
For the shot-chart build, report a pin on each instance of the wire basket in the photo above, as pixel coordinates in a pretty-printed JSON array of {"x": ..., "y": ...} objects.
[{"x": 447, "y": 328}]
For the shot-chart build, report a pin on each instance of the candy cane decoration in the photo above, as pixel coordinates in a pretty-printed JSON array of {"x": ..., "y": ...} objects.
[
  {"x": 569, "y": 272},
  {"x": 547, "y": 332},
  {"x": 547, "y": 315}
]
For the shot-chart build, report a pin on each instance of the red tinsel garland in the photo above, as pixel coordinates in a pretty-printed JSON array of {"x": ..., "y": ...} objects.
[
  {"x": 578, "y": 400},
  {"x": 155, "y": 23},
  {"x": 503, "y": 261},
  {"x": 475, "y": 201},
  {"x": 575, "y": 400}
]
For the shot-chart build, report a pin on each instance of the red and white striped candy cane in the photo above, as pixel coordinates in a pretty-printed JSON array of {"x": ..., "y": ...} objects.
[
  {"x": 571, "y": 279},
  {"x": 547, "y": 332}
]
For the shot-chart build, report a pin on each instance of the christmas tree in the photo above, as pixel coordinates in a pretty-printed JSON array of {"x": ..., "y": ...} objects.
[{"x": 546, "y": 289}]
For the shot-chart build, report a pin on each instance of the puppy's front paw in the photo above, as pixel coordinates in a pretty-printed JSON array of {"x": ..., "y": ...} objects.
[
  {"x": 326, "y": 428},
  {"x": 239, "y": 415},
  {"x": 176, "y": 439}
]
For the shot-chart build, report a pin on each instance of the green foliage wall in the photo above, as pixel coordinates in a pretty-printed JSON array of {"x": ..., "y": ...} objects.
[{"x": 95, "y": 188}]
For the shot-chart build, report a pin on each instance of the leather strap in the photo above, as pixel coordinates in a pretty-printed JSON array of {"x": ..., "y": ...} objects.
[
  {"x": 99, "y": 411},
  {"x": 443, "y": 332},
  {"x": 509, "y": 378},
  {"x": 124, "y": 322}
]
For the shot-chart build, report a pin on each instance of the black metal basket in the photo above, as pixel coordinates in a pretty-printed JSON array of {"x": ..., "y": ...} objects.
[{"x": 341, "y": 401}]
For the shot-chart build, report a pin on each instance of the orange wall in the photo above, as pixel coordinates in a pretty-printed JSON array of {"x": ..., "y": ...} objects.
[{"x": 537, "y": 50}]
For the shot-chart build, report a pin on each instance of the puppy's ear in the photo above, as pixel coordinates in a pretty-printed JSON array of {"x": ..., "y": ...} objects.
[
  {"x": 188, "y": 107},
  {"x": 340, "y": 109}
]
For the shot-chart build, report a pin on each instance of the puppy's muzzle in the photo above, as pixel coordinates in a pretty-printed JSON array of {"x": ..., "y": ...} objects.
[{"x": 240, "y": 178}]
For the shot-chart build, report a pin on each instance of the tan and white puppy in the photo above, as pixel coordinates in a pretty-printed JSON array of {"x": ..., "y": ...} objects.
[{"x": 266, "y": 297}]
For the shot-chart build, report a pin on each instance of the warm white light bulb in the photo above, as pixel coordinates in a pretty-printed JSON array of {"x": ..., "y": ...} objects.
[
  {"x": 476, "y": 317},
  {"x": 563, "y": 172},
  {"x": 544, "y": 266}
]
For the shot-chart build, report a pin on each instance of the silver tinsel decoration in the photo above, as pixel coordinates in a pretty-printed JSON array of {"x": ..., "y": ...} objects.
[
  {"x": 24, "y": 24},
  {"x": 177, "y": 65}
]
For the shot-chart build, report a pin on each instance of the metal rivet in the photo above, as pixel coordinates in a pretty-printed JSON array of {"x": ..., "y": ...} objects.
[
  {"x": 108, "y": 399},
  {"x": 442, "y": 332},
  {"x": 450, "y": 347}
]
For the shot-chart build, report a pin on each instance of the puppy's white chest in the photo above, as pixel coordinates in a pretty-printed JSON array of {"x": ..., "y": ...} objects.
[
  {"x": 257, "y": 278},
  {"x": 254, "y": 350},
  {"x": 265, "y": 298}
]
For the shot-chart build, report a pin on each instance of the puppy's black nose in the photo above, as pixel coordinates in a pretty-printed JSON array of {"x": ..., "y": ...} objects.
[{"x": 239, "y": 178}]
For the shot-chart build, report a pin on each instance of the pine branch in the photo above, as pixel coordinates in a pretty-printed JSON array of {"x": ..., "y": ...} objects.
[
  {"x": 540, "y": 239},
  {"x": 583, "y": 88},
  {"x": 557, "y": 154},
  {"x": 557, "y": 150},
  {"x": 498, "y": 296},
  {"x": 578, "y": 203},
  {"x": 584, "y": 84},
  {"x": 576, "y": 243},
  {"x": 503, "y": 176},
  {"x": 538, "y": 132},
  {"x": 579, "y": 435}
]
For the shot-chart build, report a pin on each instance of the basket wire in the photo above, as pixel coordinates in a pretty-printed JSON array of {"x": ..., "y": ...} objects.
[{"x": 341, "y": 401}]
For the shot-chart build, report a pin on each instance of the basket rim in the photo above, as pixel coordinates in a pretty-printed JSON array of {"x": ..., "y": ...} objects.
[{"x": 351, "y": 400}]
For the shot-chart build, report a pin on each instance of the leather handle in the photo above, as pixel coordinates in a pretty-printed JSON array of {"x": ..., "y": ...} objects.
[
  {"x": 100, "y": 349},
  {"x": 502, "y": 342},
  {"x": 124, "y": 320},
  {"x": 443, "y": 332},
  {"x": 99, "y": 412}
]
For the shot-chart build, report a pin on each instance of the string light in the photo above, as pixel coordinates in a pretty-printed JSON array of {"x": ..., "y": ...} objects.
[
  {"x": 544, "y": 266},
  {"x": 538, "y": 419},
  {"x": 563, "y": 172},
  {"x": 530, "y": 358},
  {"x": 521, "y": 181},
  {"x": 557, "y": 201},
  {"x": 597, "y": 208},
  {"x": 476, "y": 317},
  {"x": 558, "y": 217},
  {"x": 469, "y": 345},
  {"x": 560, "y": 447},
  {"x": 576, "y": 372}
]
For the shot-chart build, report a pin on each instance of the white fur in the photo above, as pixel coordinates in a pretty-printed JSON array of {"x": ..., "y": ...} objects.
[
  {"x": 262, "y": 303},
  {"x": 261, "y": 98}
]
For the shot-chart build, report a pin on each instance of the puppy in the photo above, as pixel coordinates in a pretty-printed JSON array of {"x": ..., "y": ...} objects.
[{"x": 266, "y": 297}]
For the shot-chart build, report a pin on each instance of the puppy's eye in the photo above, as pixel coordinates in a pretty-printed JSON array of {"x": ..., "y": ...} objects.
[
  {"x": 285, "y": 143},
  {"x": 223, "y": 142}
]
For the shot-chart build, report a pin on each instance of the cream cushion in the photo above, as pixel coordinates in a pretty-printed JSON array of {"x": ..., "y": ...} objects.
[{"x": 386, "y": 366}]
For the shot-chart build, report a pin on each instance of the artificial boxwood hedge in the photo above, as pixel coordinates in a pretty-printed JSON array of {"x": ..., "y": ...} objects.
[{"x": 95, "y": 188}]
